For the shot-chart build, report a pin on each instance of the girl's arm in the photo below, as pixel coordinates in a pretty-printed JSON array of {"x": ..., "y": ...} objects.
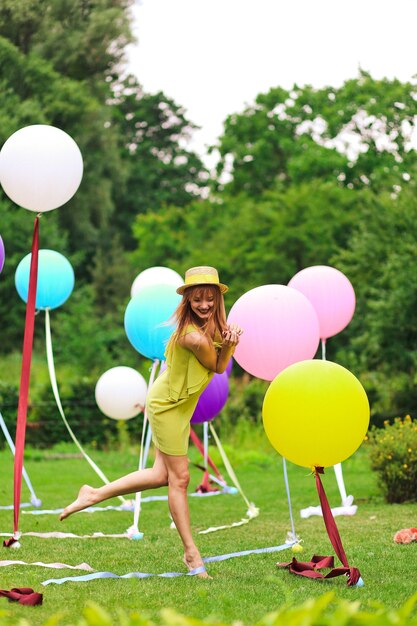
[{"x": 204, "y": 350}]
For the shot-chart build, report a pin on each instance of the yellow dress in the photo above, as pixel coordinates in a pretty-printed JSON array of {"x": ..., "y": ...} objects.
[{"x": 173, "y": 397}]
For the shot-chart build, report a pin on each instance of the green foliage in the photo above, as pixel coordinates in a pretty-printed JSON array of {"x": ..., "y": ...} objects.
[
  {"x": 251, "y": 242},
  {"x": 326, "y": 610},
  {"x": 46, "y": 427},
  {"x": 83, "y": 40},
  {"x": 153, "y": 133},
  {"x": 393, "y": 454},
  {"x": 382, "y": 336},
  {"x": 307, "y": 133},
  {"x": 243, "y": 589}
]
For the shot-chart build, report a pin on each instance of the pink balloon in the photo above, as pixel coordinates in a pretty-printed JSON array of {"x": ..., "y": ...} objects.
[
  {"x": 280, "y": 327},
  {"x": 330, "y": 293}
]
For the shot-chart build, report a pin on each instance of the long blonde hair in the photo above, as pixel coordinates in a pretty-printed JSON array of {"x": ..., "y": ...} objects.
[{"x": 184, "y": 315}]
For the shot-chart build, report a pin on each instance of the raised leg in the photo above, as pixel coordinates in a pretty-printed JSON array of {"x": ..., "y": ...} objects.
[{"x": 156, "y": 476}]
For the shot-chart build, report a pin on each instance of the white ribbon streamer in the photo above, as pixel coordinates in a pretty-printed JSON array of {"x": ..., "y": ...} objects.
[
  {"x": 54, "y": 385},
  {"x": 134, "y": 529},
  {"x": 34, "y": 500},
  {"x": 83, "y": 566}
]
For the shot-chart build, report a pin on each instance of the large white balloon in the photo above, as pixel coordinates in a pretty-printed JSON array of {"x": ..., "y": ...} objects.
[
  {"x": 41, "y": 167},
  {"x": 121, "y": 393},
  {"x": 157, "y": 275}
]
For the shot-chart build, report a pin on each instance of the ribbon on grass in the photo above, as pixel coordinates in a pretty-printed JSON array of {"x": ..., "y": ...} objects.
[
  {"x": 60, "y": 535},
  {"x": 22, "y": 595},
  {"x": 83, "y": 566},
  {"x": 210, "y": 559},
  {"x": 310, "y": 569},
  {"x": 125, "y": 507},
  {"x": 9, "y": 507},
  {"x": 24, "y": 380},
  {"x": 54, "y": 385}
]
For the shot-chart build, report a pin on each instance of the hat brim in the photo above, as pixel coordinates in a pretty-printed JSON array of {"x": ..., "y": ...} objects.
[{"x": 223, "y": 288}]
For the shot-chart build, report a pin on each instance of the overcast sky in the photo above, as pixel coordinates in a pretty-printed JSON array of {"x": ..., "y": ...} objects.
[{"x": 214, "y": 56}]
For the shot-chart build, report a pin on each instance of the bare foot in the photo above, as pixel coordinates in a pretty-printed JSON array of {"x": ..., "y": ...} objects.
[
  {"x": 194, "y": 562},
  {"x": 86, "y": 497}
]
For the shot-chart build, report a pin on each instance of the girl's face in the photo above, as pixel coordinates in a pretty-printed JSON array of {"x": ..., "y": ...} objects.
[{"x": 202, "y": 303}]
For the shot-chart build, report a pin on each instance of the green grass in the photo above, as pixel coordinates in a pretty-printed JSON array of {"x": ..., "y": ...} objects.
[{"x": 243, "y": 588}]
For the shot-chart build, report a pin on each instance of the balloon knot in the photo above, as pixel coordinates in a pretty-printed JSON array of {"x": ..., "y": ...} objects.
[{"x": 318, "y": 470}]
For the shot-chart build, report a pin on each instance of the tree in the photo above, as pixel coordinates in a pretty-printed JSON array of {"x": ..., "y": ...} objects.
[
  {"x": 358, "y": 135},
  {"x": 380, "y": 261},
  {"x": 153, "y": 134},
  {"x": 82, "y": 40},
  {"x": 34, "y": 93},
  {"x": 251, "y": 241}
]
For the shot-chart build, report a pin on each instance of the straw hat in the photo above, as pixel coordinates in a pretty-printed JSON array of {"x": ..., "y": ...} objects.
[{"x": 202, "y": 275}]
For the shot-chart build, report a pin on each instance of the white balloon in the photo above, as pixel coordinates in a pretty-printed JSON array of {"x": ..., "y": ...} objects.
[
  {"x": 157, "y": 275},
  {"x": 121, "y": 393},
  {"x": 41, "y": 167}
]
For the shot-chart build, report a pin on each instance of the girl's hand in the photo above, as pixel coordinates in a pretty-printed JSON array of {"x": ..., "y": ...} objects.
[{"x": 231, "y": 335}]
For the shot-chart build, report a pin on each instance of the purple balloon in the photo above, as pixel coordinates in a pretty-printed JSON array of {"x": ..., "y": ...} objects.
[
  {"x": 2, "y": 253},
  {"x": 212, "y": 400}
]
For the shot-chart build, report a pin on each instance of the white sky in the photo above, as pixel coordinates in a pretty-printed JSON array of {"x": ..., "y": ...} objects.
[{"x": 215, "y": 56}]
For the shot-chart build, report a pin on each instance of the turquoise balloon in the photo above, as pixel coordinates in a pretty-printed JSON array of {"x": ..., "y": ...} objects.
[
  {"x": 55, "y": 279},
  {"x": 147, "y": 319}
]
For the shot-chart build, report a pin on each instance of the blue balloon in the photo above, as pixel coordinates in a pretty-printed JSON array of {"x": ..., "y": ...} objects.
[
  {"x": 55, "y": 279},
  {"x": 148, "y": 323}
]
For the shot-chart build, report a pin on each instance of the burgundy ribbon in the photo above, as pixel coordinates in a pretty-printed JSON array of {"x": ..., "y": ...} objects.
[
  {"x": 22, "y": 595},
  {"x": 310, "y": 568},
  {"x": 25, "y": 375}
]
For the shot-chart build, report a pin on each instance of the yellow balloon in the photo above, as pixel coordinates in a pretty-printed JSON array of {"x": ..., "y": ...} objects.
[{"x": 316, "y": 413}]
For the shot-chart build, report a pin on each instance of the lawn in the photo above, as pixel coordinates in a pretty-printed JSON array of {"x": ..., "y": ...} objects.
[{"x": 244, "y": 588}]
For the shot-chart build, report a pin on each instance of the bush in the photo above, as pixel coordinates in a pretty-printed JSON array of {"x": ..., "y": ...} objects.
[
  {"x": 325, "y": 610},
  {"x": 393, "y": 454},
  {"x": 45, "y": 427}
]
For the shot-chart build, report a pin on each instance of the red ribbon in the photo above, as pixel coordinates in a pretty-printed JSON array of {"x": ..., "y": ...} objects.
[
  {"x": 25, "y": 375},
  {"x": 22, "y": 595},
  {"x": 310, "y": 568},
  {"x": 196, "y": 441}
]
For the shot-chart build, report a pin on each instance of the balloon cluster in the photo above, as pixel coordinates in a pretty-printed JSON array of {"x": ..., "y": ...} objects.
[{"x": 315, "y": 412}]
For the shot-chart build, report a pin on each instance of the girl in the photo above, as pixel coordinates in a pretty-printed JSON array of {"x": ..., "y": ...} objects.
[{"x": 201, "y": 345}]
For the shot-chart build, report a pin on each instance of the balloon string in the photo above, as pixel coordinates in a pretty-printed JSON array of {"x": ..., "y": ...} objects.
[
  {"x": 54, "y": 385},
  {"x": 136, "y": 513},
  {"x": 196, "y": 441},
  {"x": 205, "y": 440},
  {"x": 13, "y": 449},
  {"x": 287, "y": 489},
  {"x": 228, "y": 466},
  {"x": 25, "y": 375}
]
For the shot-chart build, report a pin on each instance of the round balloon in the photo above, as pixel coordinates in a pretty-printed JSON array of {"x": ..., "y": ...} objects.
[
  {"x": 55, "y": 279},
  {"x": 331, "y": 294},
  {"x": 147, "y": 319},
  {"x": 2, "y": 254},
  {"x": 157, "y": 275},
  {"x": 316, "y": 413},
  {"x": 121, "y": 393},
  {"x": 212, "y": 400},
  {"x": 41, "y": 167},
  {"x": 280, "y": 327}
]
